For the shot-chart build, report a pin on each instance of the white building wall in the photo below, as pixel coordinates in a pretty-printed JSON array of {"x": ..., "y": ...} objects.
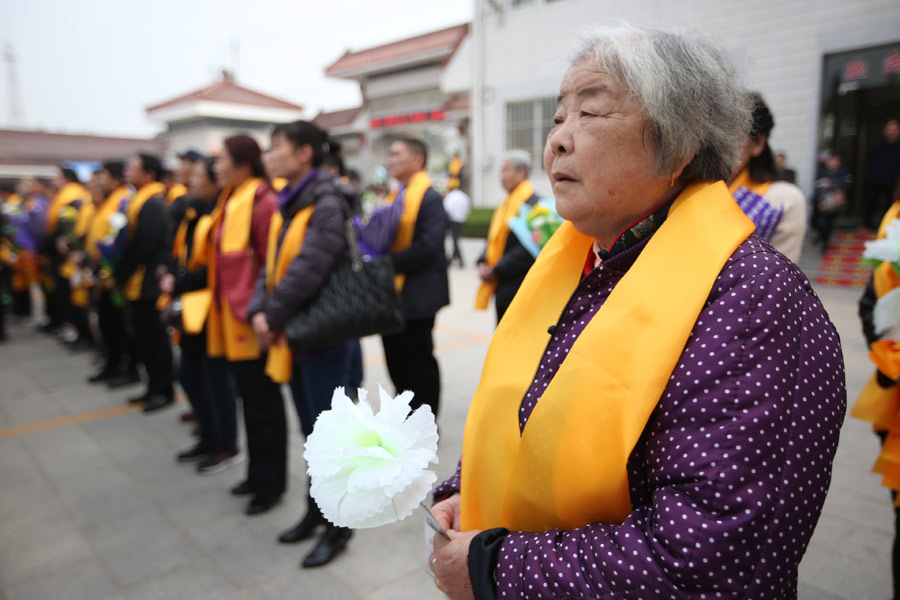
[{"x": 778, "y": 48}]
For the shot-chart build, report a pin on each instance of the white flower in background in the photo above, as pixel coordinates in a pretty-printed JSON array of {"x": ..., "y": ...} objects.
[
  {"x": 887, "y": 315},
  {"x": 368, "y": 469},
  {"x": 886, "y": 249},
  {"x": 116, "y": 222}
]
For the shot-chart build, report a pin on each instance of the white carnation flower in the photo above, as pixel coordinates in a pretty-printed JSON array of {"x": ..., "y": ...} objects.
[
  {"x": 368, "y": 469},
  {"x": 887, "y": 315},
  {"x": 886, "y": 249},
  {"x": 117, "y": 221}
]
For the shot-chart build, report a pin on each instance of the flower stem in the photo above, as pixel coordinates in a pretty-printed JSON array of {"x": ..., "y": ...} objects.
[{"x": 433, "y": 522}]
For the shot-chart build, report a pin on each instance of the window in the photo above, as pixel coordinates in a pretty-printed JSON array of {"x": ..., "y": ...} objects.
[{"x": 528, "y": 124}]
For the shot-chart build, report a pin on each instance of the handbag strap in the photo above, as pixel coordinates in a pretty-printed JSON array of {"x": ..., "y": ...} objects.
[{"x": 356, "y": 258}]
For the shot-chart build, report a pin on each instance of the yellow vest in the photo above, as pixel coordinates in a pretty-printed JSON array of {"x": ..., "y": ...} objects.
[
  {"x": 498, "y": 233},
  {"x": 568, "y": 467},
  {"x": 878, "y": 405},
  {"x": 412, "y": 202},
  {"x": 279, "y": 362},
  {"x": 226, "y": 334}
]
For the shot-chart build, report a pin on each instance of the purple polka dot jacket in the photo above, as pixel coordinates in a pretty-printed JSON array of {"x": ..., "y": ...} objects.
[{"x": 729, "y": 476}]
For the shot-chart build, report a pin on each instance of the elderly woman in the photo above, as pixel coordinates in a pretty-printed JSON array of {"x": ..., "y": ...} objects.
[{"x": 678, "y": 442}]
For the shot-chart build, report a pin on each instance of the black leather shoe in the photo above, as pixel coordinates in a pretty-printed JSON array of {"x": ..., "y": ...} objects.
[
  {"x": 139, "y": 399},
  {"x": 196, "y": 453},
  {"x": 333, "y": 541},
  {"x": 305, "y": 528},
  {"x": 123, "y": 379},
  {"x": 156, "y": 402},
  {"x": 261, "y": 504},
  {"x": 104, "y": 375},
  {"x": 242, "y": 489}
]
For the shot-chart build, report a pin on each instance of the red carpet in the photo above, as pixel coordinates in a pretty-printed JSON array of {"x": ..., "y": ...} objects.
[{"x": 841, "y": 265}]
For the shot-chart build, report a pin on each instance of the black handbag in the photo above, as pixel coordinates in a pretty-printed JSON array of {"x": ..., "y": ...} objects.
[{"x": 357, "y": 299}]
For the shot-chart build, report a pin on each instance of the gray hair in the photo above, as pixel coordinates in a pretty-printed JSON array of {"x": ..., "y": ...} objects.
[
  {"x": 520, "y": 159},
  {"x": 688, "y": 91}
]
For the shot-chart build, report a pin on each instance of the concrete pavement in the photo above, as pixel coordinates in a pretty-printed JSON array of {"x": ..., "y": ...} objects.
[{"x": 94, "y": 506}]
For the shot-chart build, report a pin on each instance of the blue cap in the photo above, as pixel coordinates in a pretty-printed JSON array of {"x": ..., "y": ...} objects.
[{"x": 191, "y": 155}]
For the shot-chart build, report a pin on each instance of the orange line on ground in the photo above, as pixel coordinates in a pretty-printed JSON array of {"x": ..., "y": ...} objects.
[
  {"x": 105, "y": 413},
  {"x": 93, "y": 415}
]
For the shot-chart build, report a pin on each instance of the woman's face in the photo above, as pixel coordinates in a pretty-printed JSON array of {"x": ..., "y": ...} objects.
[
  {"x": 600, "y": 159},
  {"x": 286, "y": 160},
  {"x": 226, "y": 171},
  {"x": 200, "y": 184}
]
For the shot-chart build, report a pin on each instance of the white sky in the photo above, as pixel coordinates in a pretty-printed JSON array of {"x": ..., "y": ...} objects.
[{"x": 92, "y": 66}]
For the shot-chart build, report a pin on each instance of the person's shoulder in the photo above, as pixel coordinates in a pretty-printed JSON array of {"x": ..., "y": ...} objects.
[
  {"x": 785, "y": 192},
  {"x": 755, "y": 263}
]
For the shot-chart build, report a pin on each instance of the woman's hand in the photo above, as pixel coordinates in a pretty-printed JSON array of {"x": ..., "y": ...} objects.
[
  {"x": 261, "y": 327},
  {"x": 450, "y": 564},
  {"x": 447, "y": 512},
  {"x": 167, "y": 283}
]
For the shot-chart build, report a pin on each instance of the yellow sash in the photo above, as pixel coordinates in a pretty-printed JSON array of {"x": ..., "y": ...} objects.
[
  {"x": 132, "y": 290},
  {"x": 175, "y": 192},
  {"x": 454, "y": 170},
  {"x": 743, "y": 180},
  {"x": 279, "y": 363},
  {"x": 100, "y": 225},
  {"x": 568, "y": 467},
  {"x": 878, "y": 405},
  {"x": 498, "y": 233},
  {"x": 278, "y": 183},
  {"x": 68, "y": 194},
  {"x": 226, "y": 335},
  {"x": 412, "y": 202}
]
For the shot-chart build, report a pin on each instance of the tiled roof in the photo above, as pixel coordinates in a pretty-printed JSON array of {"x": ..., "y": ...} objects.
[
  {"x": 457, "y": 102},
  {"x": 336, "y": 118},
  {"x": 23, "y": 146},
  {"x": 448, "y": 39},
  {"x": 227, "y": 90}
]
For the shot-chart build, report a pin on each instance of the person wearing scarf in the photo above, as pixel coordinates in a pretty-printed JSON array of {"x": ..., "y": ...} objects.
[
  {"x": 237, "y": 255},
  {"x": 306, "y": 240},
  {"x": 877, "y": 403},
  {"x": 505, "y": 261},
  {"x": 135, "y": 277},
  {"x": 777, "y": 208},
  {"x": 660, "y": 406},
  {"x": 62, "y": 215},
  {"x": 29, "y": 222},
  {"x": 417, "y": 254},
  {"x": 110, "y": 313}
]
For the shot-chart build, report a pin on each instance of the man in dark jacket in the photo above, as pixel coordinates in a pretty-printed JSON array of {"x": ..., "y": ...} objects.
[
  {"x": 410, "y": 353},
  {"x": 136, "y": 275},
  {"x": 884, "y": 172},
  {"x": 508, "y": 271}
]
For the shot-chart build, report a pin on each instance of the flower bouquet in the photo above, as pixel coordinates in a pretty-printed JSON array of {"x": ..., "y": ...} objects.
[
  {"x": 886, "y": 315},
  {"x": 534, "y": 225},
  {"x": 370, "y": 468}
]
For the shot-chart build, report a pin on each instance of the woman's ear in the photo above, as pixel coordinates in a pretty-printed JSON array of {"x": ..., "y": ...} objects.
[{"x": 757, "y": 146}]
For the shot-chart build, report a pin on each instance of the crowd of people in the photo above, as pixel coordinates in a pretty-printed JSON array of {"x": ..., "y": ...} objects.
[
  {"x": 214, "y": 258},
  {"x": 718, "y": 388}
]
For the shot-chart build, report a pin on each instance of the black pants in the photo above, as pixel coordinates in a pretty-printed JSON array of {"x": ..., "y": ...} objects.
[
  {"x": 111, "y": 321},
  {"x": 454, "y": 228},
  {"x": 266, "y": 425},
  {"x": 152, "y": 345},
  {"x": 877, "y": 205},
  {"x": 22, "y": 303},
  {"x": 78, "y": 317},
  {"x": 210, "y": 390},
  {"x": 410, "y": 361}
]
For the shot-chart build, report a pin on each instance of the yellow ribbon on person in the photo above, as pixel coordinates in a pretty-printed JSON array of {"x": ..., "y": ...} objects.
[
  {"x": 498, "y": 234},
  {"x": 412, "y": 202},
  {"x": 175, "y": 192},
  {"x": 132, "y": 288},
  {"x": 100, "y": 225},
  {"x": 744, "y": 180},
  {"x": 568, "y": 467},
  {"x": 455, "y": 168},
  {"x": 68, "y": 194},
  {"x": 278, "y": 183},
  {"x": 279, "y": 363},
  {"x": 877, "y": 405},
  {"x": 226, "y": 335}
]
